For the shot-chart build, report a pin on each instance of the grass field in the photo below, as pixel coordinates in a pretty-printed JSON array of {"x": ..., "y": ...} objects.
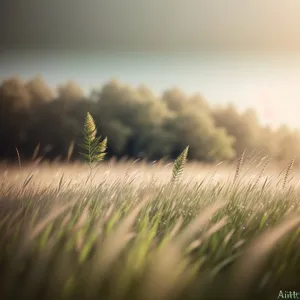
[{"x": 130, "y": 234}]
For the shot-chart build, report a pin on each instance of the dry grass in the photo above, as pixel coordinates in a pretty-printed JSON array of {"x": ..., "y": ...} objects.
[{"x": 128, "y": 234}]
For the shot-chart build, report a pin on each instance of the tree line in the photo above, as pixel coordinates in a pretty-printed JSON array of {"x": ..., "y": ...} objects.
[{"x": 37, "y": 120}]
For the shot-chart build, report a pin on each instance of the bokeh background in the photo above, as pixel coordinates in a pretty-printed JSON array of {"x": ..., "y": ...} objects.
[{"x": 219, "y": 76}]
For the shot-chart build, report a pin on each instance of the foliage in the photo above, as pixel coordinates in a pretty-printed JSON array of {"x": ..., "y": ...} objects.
[
  {"x": 70, "y": 91},
  {"x": 93, "y": 147},
  {"x": 138, "y": 124},
  {"x": 119, "y": 240},
  {"x": 179, "y": 164}
]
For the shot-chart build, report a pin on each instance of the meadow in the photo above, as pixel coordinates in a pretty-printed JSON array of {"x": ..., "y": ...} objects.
[
  {"x": 138, "y": 230},
  {"x": 128, "y": 233}
]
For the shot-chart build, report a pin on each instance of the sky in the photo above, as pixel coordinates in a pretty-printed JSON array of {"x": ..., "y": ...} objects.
[{"x": 245, "y": 52}]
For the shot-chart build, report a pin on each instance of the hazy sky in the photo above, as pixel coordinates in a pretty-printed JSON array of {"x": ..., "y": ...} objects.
[
  {"x": 247, "y": 52},
  {"x": 152, "y": 25}
]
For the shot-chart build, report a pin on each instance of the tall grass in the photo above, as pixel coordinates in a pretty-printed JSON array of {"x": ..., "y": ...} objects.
[
  {"x": 93, "y": 149},
  {"x": 138, "y": 239}
]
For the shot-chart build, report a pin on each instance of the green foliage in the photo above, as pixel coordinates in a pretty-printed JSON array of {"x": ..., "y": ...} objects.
[
  {"x": 243, "y": 128},
  {"x": 94, "y": 149},
  {"x": 139, "y": 124},
  {"x": 196, "y": 129},
  {"x": 179, "y": 165},
  {"x": 187, "y": 242}
]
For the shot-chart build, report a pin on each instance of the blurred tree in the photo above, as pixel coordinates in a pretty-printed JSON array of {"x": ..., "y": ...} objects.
[
  {"x": 70, "y": 91},
  {"x": 243, "y": 127},
  {"x": 196, "y": 129},
  {"x": 137, "y": 110},
  {"x": 198, "y": 102},
  {"x": 175, "y": 99},
  {"x": 267, "y": 141},
  {"x": 14, "y": 95},
  {"x": 221, "y": 146},
  {"x": 14, "y": 103},
  {"x": 39, "y": 91},
  {"x": 117, "y": 134},
  {"x": 137, "y": 122},
  {"x": 54, "y": 127},
  {"x": 287, "y": 144}
]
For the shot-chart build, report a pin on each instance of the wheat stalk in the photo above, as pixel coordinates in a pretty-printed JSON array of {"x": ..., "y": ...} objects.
[
  {"x": 94, "y": 150},
  {"x": 288, "y": 171},
  {"x": 179, "y": 165},
  {"x": 238, "y": 167}
]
